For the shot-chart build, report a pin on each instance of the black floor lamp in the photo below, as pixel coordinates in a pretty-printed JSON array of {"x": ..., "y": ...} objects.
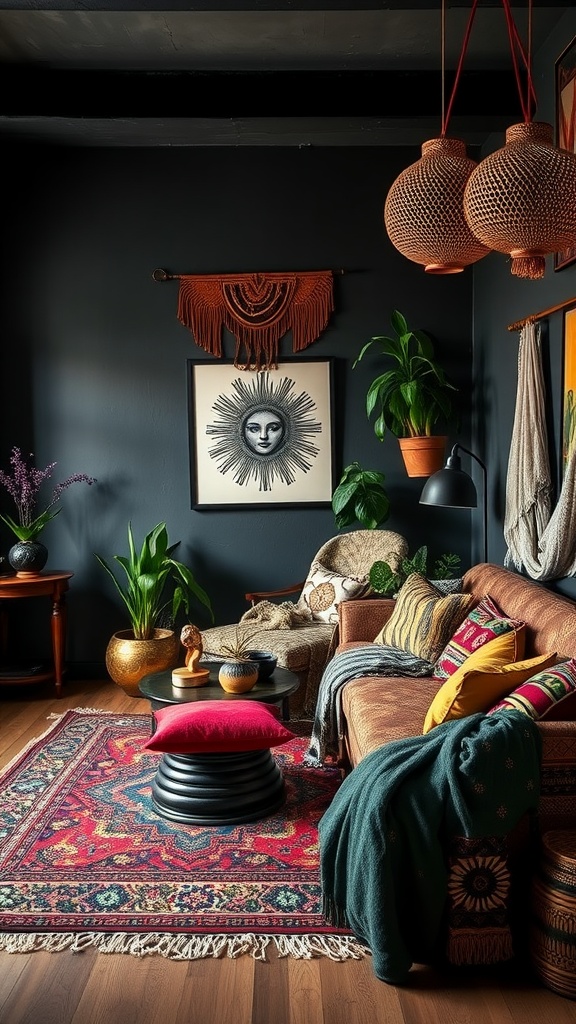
[{"x": 453, "y": 488}]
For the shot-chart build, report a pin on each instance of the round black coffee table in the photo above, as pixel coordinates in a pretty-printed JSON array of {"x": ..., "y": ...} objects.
[
  {"x": 276, "y": 689},
  {"x": 218, "y": 788}
]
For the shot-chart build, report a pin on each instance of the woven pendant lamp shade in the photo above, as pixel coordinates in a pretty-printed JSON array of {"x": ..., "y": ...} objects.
[
  {"x": 423, "y": 212},
  {"x": 521, "y": 200}
]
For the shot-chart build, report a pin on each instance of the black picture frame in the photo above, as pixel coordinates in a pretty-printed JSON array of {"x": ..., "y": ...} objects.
[
  {"x": 565, "y": 79},
  {"x": 261, "y": 439}
]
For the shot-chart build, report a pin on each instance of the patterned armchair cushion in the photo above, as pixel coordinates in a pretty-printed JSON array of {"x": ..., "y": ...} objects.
[
  {"x": 542, "y": 691},
  {"x": 423, "y": 618},
  {"x": 324, "y": 589},
  {"x": 481, "y": 625}
]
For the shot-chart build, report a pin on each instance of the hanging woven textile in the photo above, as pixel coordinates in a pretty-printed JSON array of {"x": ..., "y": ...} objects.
[
  {"x": 258, "y": 309},
  {"x": 540, "y": 543}
]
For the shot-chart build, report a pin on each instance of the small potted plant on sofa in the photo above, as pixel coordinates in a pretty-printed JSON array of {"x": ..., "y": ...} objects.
[
  {"x": 411, "y": 397},
  {"x": 387, "y": 581},
  {"x": 147, "y": 646}
]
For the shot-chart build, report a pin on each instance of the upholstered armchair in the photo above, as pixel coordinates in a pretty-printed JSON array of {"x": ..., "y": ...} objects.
[{"x": 302, "y": 632}]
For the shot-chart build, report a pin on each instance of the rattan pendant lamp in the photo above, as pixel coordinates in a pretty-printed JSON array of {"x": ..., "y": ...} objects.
[
  {"x": 520, "y": 199},
  {"x": 423, "y": 211}
]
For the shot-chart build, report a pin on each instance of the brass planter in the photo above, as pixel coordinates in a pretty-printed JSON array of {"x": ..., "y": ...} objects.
[{"x": 129, "y": 660}]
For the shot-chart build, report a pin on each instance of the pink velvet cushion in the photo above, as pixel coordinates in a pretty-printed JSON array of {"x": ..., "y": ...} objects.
[
  {"x": 481, "y": 625},
  {"x": 215, "y": 726},
  {"x": 542, "y": 691}
]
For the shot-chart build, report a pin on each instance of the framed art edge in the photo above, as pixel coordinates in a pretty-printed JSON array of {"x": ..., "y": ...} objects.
[{"x": 227, "y": 413}]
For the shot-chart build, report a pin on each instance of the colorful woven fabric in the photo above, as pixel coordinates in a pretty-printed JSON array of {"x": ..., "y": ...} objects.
[
  {"x": 86, "y": 860},
  {"x": 539, "y": 693},
  {"x": 482, "y": 624}
]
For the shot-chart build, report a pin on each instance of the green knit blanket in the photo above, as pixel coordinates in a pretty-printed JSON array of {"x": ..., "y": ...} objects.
[{"x": 384, "y": 839}]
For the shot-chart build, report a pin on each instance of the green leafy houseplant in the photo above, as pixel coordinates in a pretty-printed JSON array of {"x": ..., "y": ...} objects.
[
  {"x": 360, "y": 497},
  {"x": 384, "y": 580},
  {"x": 414, "y": 394},
  {"x": 148, "y": 573}
]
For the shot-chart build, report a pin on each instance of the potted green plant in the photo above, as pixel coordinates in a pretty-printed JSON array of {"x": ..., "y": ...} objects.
[
  {"x": 411, "y": 397},
  {"x": 387, "y": 581},
  {"x": 148, "y": 646},
  {"x": 360, "y": 497}
]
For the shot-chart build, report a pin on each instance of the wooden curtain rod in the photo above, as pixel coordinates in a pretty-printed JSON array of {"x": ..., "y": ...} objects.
[
  {"x": 540, "y": 316},
  {"x": 163, "y": 275}
]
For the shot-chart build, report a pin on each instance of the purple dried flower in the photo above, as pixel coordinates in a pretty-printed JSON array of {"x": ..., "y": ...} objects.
[{"x": 23, "y": 486}]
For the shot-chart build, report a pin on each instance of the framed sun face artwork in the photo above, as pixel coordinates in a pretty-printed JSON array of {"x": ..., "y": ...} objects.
[
  {"x": 569, "y": 388},
  {"x": 566, "y": 123},
  {"x": 261, "y": 439}
]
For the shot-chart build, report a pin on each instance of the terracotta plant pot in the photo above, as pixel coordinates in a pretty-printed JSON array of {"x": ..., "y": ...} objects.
[
  {"x": 129, "y": 660},
  {"x": 423, "y": 455}
]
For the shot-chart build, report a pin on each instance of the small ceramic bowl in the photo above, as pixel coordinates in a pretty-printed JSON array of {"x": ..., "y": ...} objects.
[{"x": 266, "y": 662}]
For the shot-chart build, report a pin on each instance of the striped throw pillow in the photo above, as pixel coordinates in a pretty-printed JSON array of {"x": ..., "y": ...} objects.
[
  {"x": 539, "y": 693},
  {"x": 423, "y": 619}
]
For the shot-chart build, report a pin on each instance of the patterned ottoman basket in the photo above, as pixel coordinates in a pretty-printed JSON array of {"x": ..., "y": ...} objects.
[{"x": 553, "y": 939}]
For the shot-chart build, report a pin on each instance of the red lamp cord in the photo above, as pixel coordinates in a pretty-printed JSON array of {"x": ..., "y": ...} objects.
[{"x": 516, "y": 47}]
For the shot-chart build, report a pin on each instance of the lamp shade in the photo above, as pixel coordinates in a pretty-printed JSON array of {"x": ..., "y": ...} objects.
[
  {"x": 424, "y": 211},
  {"x": 450, "y": 487},
  {"x": 520, "y": 199}
]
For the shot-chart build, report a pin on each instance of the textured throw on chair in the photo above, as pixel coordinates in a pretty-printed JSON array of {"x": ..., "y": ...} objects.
[{"x": 383, "y": 863}]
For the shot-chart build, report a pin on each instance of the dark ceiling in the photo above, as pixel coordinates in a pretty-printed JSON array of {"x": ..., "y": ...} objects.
[{"x": 260, "y": 73}]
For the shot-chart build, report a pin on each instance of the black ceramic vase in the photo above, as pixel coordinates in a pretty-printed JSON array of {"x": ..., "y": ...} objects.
[{"x": 28, "y": 557}]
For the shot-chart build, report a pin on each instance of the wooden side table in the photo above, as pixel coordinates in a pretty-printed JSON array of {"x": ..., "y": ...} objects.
[{"x": 46, "y": 584}]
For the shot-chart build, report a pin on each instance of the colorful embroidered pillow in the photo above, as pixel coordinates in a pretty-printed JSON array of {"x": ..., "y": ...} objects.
[
  {"x": 484, "y": 678},
  {"x": 541, "y": 692},
  {"x": 324, "y": 590},
  {"x": 423, "y": 618},
  {"x": 481, "y": 625},
  {"x": 217, "y": 726}
]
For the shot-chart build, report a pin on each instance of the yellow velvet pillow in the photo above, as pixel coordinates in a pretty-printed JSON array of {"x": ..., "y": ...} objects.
[{"x": 486, "y": 676}]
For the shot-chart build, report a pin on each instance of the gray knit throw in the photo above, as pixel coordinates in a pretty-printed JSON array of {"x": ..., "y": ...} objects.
[{"x": 369, "y": 660}]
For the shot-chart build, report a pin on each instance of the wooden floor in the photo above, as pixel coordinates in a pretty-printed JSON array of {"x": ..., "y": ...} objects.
[{"x": 95, "y": 988}]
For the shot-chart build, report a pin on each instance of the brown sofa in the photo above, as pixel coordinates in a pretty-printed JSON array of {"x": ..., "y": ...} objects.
[{"x": 376, "y": 710}]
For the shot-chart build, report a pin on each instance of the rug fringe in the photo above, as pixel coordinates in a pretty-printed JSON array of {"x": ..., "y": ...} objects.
[{"x": 187, "y": 947}]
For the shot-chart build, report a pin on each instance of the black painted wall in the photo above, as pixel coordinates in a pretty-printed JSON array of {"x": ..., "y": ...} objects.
[{"x": 93, "y": 358}]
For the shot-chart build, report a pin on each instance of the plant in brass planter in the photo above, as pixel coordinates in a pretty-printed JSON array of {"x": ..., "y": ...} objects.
[
  {"x": 411, "y": 397},
  {"x": 147, "y": 647}
]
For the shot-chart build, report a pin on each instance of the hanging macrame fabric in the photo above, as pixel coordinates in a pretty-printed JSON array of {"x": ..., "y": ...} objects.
[
  {"x": 540, "y": 542},
  {"x": 258, "y": 309}
]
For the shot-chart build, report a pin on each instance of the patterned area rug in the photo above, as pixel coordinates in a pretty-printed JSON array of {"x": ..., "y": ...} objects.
[{"x": 86, "y": 861}]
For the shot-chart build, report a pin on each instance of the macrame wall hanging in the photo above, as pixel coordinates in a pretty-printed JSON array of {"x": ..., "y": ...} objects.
[{"x": 258, "y": 309}]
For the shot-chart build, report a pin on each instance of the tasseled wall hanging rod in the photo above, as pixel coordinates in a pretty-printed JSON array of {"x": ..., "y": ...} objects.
[
  {"x": 543, "y": 313},
  {"x": 163, "y": 275}
]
